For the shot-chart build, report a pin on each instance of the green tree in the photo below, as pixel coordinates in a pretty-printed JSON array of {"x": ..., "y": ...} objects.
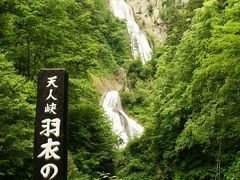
[
  {"x": 84, "y": 38},
  {"x": 91, "y": 141},
  {"x": 16, "y": 123},
  {"x": 194, "y": 132}
]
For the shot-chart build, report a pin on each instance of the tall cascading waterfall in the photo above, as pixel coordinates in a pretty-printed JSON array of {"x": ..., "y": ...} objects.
[
  {"x": 123, "y": 126},
  {"x": 139, "y": 43}
]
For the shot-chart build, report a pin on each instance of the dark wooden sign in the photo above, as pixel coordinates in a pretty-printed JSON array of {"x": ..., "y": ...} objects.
[{"x": 50, "y": 141}]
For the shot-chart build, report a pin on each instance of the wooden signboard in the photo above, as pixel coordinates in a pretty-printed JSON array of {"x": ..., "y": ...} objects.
[{"x": 50, "y": 141}]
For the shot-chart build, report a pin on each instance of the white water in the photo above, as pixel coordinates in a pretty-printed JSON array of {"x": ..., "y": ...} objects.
[
  {"x": 139, "y": 44},
  {"x": 123, "y": 126}
]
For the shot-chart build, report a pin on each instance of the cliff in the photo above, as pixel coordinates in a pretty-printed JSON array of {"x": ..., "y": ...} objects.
[{"x": 147, "y": 16}]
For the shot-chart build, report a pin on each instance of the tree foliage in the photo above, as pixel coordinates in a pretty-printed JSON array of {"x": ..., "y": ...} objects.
[
  {"x": 84, "y": 38},
  {"x": 194, "y": 132},
  {"x": 16, "y": 123},
  {"x": 187, "y": 96}
]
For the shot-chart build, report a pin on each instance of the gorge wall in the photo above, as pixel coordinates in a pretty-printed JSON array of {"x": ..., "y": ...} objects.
[{"x": 147, "y": 16}]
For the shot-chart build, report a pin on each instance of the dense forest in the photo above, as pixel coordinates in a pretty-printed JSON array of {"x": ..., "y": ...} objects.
[
  {"x": 187, "y": 97},
  {"x": 80, "y": 36},
  {"x": 191, "y": 101}
]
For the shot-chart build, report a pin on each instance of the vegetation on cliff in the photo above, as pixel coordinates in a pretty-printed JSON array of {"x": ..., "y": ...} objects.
[
  {"x": 192, "y": 100},
  {"x": 84, "y": 38},
  {"x": 187, "y": 96}
]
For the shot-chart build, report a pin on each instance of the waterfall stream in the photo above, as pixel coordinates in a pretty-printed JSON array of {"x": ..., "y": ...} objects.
[
  {"x": 124, "y": 126},
  {"x": 139, "y": 43}
]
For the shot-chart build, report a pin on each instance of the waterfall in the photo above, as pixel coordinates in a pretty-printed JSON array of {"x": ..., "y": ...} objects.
[
  {"x": 139, "y": 43},
  {"x": 123, "y": 126}
]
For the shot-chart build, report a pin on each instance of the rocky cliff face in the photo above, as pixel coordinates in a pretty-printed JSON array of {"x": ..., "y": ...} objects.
[{"x": 147, "y": 16}]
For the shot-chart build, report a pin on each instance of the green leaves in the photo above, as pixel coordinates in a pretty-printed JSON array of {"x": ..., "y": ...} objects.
[
  {"x": 195, "y": 93},
  {"x": 91, "y": 141},
  {"x": 16, "y": 123},
  {"x": 84, "y": 38},
  {"x": 39, "y": 34},
  {"x": 205, "y": 64}
]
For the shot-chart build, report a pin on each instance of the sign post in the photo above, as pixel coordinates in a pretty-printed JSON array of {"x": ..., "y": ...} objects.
[{"x": 50, "y": 140}]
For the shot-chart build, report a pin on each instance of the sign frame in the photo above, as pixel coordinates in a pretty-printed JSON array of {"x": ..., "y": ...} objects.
[{"x": 50, "y": 137}]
